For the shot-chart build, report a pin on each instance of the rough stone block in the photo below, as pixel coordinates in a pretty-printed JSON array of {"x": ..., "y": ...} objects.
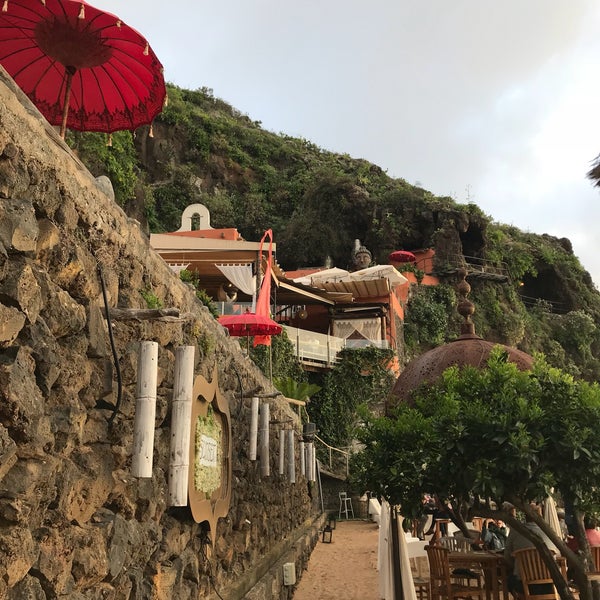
[
  {"x": 97, "y": 333},
  {"x": 11, "y": 323},
  {"x": 29, "y": 588},
  {"x": 17, "y": 554},
  {"x": 18, "y": 225},
  {"x": 90, "y": 558},
  {"x": 55, "y": 559},
  {"x": 22, "y": 405},
  {"x": 21, "y": 286},
  {"x": 48, "y": 236}
]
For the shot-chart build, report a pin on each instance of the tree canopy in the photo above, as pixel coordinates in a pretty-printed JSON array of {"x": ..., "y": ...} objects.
[{"x": 497, "y": 434}]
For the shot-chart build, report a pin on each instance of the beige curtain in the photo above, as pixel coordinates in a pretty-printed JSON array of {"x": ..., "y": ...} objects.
[{"x": 370, "y": 329}]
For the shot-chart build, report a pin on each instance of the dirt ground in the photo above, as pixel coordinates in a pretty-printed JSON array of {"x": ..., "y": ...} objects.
[{"x": 346, "y": 568}]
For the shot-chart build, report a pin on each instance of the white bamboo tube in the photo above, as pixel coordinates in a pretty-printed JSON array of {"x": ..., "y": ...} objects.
[
  {"x": 145, "y": 410},
  {"x": 253, "y": 428},
  {"x": 310, "y": 461},
  {"x": 302, "y": 459},
  {"x": 281, "y": 451},
  {"x": 181, "y": 414},
  {"x": 265, "y": 470},
  {"x": 291, "y": 458}
]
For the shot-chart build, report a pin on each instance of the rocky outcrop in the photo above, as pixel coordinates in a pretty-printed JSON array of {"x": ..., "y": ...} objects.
[{"x": 74, "y": 522}]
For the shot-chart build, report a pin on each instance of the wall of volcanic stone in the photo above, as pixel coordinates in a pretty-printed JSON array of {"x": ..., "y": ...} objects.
[{"x": 74, "y": 522}]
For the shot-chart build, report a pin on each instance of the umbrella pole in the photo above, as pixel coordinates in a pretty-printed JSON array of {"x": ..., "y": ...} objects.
[{"x": 68, "y": 83}]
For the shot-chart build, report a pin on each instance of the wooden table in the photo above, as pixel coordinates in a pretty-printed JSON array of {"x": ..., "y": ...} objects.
[{"x": 492, "y": 565}]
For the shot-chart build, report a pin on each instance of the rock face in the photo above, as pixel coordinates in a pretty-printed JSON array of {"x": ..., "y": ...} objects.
[{"x": 74, "y": 523}]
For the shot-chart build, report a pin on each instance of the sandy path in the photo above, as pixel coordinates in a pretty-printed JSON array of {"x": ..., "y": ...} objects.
[{"x": 346, "y": 568}]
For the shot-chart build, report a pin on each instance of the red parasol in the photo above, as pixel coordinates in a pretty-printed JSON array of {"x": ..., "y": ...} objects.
[
  {"x": 402, "y": 256},
  {"x": 258, "y": 325},
  {"x": 83, "y": 68},
  {"x": 250, "y": 324}
]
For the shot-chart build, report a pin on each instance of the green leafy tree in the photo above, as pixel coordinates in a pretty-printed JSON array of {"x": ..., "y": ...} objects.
[
  {"x": 498, "y": 434},
  {"x": 428, "y": 316},
  {"x": 362, "y": 376}
]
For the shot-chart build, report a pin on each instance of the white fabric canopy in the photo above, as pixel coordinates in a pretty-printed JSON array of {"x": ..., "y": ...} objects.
[
  {"x": 241, "y": 276},
  {"x": 334, "y": 274},
  {"x": 378, "y": 272}
]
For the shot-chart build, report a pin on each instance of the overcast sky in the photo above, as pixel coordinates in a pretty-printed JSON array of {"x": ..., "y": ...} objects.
[{"x": 496, "y": 103}]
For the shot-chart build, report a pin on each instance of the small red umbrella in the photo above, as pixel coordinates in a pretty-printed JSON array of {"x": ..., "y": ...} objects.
[
  {"x": 83, "y": 68},
  {"x": 250, "y": 325},
  {"x": 402, "y": 256}
]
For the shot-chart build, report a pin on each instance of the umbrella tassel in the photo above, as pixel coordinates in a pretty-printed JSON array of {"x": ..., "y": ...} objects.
[
  {"x": 151, "y": 132},
  {"x": 82, "y": 12},
  {"x": 109, "y": 140},
  {"x": 5, "y": 6},
  {"x": 146, "y": 49}
]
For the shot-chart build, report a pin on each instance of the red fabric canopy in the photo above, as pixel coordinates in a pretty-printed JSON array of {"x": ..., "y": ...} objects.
[
  {"x": 83, "y": 68},
  {"x": 258, "y": 325}
]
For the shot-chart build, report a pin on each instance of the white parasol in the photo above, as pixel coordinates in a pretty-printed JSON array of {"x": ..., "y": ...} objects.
[{"x": 551, "y": 516}]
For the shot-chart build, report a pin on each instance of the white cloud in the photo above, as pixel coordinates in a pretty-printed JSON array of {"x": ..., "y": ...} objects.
[{"x": 495, "y": 100}]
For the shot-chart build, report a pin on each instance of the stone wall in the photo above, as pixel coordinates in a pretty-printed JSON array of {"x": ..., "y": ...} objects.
[{"x": 74, "y": 523}]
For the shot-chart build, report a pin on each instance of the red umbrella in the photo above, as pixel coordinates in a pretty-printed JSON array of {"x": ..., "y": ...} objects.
[
  {"x": 83, "y": 68},
  {"x": 402, "y": 256},
  {"x": 250, "y": 324}
]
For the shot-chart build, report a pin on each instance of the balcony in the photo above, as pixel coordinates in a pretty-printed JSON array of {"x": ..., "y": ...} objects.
[
  {"x": 314, "y": 350},
  {"x": 321, "y": 350}
]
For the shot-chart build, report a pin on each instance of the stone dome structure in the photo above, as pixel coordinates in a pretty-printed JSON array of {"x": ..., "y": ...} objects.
[{"x": 467, "y": 350}]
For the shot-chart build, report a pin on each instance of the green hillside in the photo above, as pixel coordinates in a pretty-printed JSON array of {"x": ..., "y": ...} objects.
[{"x": 317, "y": 203}]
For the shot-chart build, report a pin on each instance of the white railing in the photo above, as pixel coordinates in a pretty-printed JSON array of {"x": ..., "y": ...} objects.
[{"x": 315, "y": 347}]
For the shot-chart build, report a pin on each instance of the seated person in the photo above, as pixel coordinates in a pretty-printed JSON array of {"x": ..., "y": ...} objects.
[
  {"x": 494, "y": 534},
  {"x": 517, "y": 541},
  {"x": 591, "y": 533}
]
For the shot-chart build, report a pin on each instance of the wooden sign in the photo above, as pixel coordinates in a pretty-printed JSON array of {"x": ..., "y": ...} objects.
[{"x": 209, "y": 484}]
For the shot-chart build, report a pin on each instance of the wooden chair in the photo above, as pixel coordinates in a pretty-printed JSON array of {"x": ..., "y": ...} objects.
[
  {"x": 534, "y": 572},
  {"x": 595, "y": 550},
  {"x": 466, "y": 576},
  {"x": 455, "y": 544},
  {"x": 442, "y": 585}
]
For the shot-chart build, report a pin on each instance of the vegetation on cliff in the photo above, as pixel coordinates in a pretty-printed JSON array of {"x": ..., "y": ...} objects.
[{"x": 318, "y": 202}]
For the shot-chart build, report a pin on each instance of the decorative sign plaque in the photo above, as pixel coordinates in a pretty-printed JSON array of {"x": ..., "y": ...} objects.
[{"x": 210, "y": 453}]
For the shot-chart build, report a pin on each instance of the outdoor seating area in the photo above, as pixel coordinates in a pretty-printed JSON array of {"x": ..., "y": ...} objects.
[{"x": 448, "y": 567}]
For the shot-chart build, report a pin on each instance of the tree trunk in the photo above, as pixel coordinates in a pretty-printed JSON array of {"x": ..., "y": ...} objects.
[{"x": 576, "y": 565}]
